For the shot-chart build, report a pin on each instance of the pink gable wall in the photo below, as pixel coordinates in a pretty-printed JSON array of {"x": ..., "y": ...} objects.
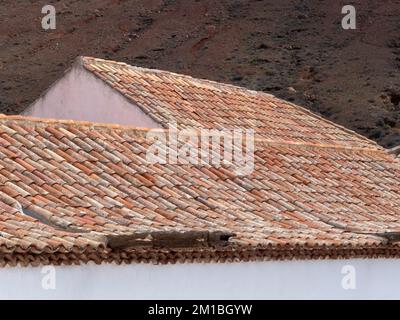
[{"x": 79, "y": 95}]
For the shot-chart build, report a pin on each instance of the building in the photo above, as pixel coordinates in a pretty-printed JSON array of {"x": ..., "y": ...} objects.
[{"x": 318, "y": 217}]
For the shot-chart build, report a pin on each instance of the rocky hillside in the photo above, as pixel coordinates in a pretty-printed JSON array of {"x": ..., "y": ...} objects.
[{"x": 294, "y": 49}]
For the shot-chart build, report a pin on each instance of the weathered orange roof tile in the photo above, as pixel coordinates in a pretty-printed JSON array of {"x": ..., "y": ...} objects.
[
  {"x": 169, "y": 97},
  {"x": 317, "y": 189},
  {"x": 302, "y": 200}
]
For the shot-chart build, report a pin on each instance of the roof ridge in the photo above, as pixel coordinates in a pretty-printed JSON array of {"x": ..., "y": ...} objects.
[
  {"x": 90, "y": 124},
  {"x": 129, "y": 128},
  {"x": 81, "y": 59}
]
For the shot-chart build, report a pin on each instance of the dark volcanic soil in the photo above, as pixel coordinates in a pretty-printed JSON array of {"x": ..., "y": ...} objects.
[{"x": 294, "y": 49}]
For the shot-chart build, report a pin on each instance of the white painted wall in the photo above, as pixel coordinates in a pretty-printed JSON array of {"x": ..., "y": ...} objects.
[
  {"x": 375, "y": 279},
  {"x": 79, "y": 95}
]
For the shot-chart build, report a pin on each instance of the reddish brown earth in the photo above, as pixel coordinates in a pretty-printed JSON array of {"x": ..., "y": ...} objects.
[{"x": 294, "y": 49}]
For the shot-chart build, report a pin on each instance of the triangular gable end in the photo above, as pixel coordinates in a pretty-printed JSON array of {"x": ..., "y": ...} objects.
[{"x": 81, "y": 96}]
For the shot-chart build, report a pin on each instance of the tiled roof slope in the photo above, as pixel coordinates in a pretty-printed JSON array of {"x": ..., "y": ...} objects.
[
  {"x": 168, "y": 97},
  {"x": 85, "y": 181}
]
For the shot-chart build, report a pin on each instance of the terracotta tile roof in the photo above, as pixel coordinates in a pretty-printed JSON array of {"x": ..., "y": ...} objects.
[
  {"x": 167, "y": 97},
  {"x": 66, "y": 187},
  {"x": 395, "y": 151}
]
